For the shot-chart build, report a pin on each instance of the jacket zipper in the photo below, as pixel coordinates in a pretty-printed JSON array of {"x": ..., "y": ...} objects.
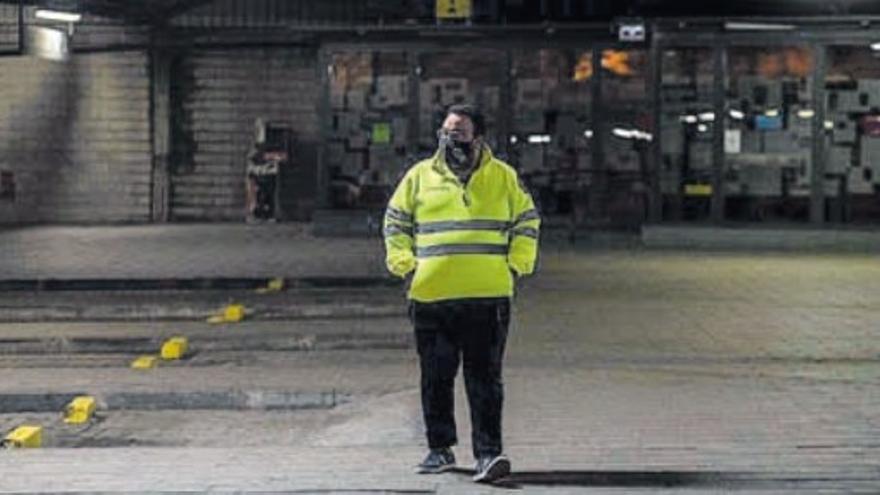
[{"x": 465, "y": 198}]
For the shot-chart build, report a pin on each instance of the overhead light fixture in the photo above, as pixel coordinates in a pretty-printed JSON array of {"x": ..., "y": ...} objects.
[
  {"x": 632, "y": 134},
  {"x": 539, "y": 139},
  {"x": 513, "y": 139},
  {"x": 588, "y": 134},
  {"x": 688, "y": 119},
  {"x": 67, "y": 11},
  {"x": 622, "y": 133},
  {"x": 829, "y": 125},
  {"x": 737, "y": 114},
  {"x": 58, "y": 15},
  {"x": 806, "y": 113},
  {"x": 772, "y": 112},
  {"x": 875, "y": 46},
  {"x": 757, "y": 26},
  {"x": 644, "y": 136},
  {"x": 707, "y": 116},
  {"x": 702, "y": 128}
]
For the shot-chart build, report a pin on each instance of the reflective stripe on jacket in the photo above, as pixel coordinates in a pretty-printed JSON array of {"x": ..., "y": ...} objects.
[{"x": 463, "y": 241}]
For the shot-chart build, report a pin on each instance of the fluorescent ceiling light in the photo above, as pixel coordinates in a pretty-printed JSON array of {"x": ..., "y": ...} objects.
[
  {"x": 513, "y": 139},
  {"x": 772, "y": 112},
  {"x": 703, "y": 128},
  {"x": 806, "y": 113},
  {"x": 829, "y": 125},
  {"x": 632, "y": 134},
  {"x": 645, "y": 136},
  {"x": 875, "y": 46},
  {"x": 539, "y": 138},
  {"x": 57, "y": 15},
  {"x": 588, "y": 133},
  {"x": 623, "y": 133},
  {"x": 688, "y": 119},
  {"x": 707, "y": 116},
  {"x": 737, "y": 114},
  {"x": 757, "y": 26}
]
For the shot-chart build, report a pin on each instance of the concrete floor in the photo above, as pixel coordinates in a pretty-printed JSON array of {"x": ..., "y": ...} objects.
[
  {"x": 627, "y": 372},
  {"x": 183, "y": 251}
]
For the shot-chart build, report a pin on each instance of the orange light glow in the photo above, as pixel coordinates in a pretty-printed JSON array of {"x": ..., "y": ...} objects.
[
  {"x": 617, "y": 62},
  {"x": 583, "y": 70},
  {"x": 789, "y": 62},
  {"x": 614, "y": 61}
]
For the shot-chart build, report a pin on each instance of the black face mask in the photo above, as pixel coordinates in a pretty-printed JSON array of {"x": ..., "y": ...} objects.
[{"x": 458, "y": 154}]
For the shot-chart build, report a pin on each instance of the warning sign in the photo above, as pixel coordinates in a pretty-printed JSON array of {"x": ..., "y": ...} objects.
[{"x": 453, "y": 9}]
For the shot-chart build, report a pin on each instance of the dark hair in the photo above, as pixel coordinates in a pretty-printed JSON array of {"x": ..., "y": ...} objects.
[{"x": 471, "y": 112}]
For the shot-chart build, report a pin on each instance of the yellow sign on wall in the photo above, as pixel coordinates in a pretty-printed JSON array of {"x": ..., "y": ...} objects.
[
  {"x": 697, "y": 189},
  {"x": 453, "y": 9}
]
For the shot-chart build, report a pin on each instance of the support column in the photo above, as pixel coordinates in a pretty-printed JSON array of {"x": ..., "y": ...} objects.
[
  {"x": 655, "y": 82},
  {"x": 325, "y": 119},
  {"x": 719, "y": 98},
  {"x": 413, "y": 63},
  {"x": 817, "y": 179},
  {"x": 160, "y": 124},
  {"x": 598, "y": 182}
]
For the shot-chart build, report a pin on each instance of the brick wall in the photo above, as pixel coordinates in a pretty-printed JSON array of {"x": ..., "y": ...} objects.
[
  {"x": 220, "y": 93},
  {"x": 76, "y": 137}
]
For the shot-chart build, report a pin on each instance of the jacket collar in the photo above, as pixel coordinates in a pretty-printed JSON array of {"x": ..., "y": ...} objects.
[{"x": 439, "y": 165}]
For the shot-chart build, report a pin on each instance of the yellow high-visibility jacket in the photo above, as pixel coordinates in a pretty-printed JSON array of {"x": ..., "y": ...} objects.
[{"x": 463, "y": 241}]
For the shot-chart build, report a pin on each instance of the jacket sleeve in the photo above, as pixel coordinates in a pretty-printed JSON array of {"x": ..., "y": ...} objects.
[
  {"x": 525, "y": 228},
  {"x": 398, "y": 229}
]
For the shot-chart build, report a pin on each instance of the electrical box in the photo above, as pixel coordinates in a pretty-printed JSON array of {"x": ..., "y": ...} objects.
[
  {"x": 780, "y": 142},
  {"x": 847, "y": 102},
  {"x": 768, "y": 123},
  {"x": 839, "y": 160},
  {"x": 870, "y": 156},
  {"x": 870, "y": 88},
  {"x": 760, "y": 92},
  {"x": 700, "y": 156},
  {"x": 759, "y": 180},
  {"x": 858, "y": 181},
  {"x": 390, "y": 91},
  {"x": 844, "y": 132}
]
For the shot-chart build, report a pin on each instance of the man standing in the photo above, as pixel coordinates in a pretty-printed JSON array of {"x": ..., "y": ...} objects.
[{"x": 463, "y": 228}]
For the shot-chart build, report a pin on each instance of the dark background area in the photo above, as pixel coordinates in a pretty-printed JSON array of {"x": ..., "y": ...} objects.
[{"x": 519, "y": 11}]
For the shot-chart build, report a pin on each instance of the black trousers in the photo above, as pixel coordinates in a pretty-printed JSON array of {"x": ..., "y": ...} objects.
[
  {"x": 472, "y": 331},
  {"x": 265, "y": 207}
]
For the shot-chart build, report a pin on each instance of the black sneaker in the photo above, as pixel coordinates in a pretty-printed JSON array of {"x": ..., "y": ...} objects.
[
  {"x": 491, "y": 468},
  {"x": 437, "y": 461}
]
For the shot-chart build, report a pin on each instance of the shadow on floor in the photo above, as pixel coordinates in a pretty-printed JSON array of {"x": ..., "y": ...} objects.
[{"x": 647, "y": 479}]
